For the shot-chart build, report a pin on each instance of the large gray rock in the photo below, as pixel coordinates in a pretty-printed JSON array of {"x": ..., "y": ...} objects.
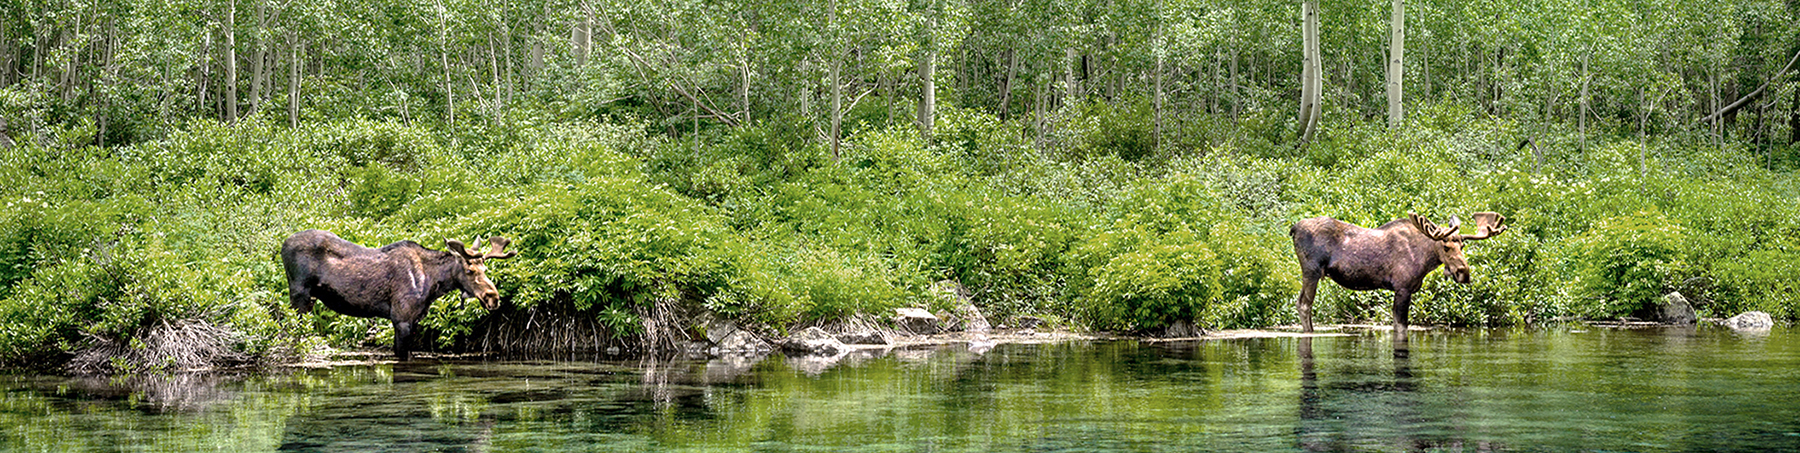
[
  {"x": 1751, "y": 320},
  {"x": 967, "y": 316},
  {"x": 1182, "y": 329},
  {"x": 739, "y": 342},
  {"x": 1029, "y": 322},
  {"x": 1675, "y": 309},
  {"x": 916, "y": 321},
  {"x": 871, "y": 337},
  {"x": 814, "y": 341}
]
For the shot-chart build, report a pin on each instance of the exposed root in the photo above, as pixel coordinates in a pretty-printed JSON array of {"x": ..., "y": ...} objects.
[{"x": 186, "y": 344}]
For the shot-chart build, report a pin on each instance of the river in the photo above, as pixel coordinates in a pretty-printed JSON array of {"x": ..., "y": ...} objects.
[{"x": 1525, "y": 389}]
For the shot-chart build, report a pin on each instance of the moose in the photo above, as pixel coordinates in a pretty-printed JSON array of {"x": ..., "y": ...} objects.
[
  {"x": 1395, "y": 257},
  {"x": 397, "y": 282}
]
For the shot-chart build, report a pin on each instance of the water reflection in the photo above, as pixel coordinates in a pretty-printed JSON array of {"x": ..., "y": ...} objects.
[{"x": 1704, "y": 389}]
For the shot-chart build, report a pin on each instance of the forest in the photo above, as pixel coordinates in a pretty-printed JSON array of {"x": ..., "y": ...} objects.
[{"x": 1102, "y": 165}]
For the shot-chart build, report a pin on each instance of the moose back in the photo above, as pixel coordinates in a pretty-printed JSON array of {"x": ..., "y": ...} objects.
[{"x": 396, "y": 282}]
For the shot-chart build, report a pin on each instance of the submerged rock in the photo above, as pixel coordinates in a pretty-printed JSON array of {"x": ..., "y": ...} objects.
[
  {"x": 916, "y": 321},
  {"x": 1751, "y": 320}
]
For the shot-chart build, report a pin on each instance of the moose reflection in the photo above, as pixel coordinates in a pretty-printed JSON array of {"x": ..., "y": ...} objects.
[
  {"x": 1394, "y": 257},
  {"x": 397, "y": 282}
]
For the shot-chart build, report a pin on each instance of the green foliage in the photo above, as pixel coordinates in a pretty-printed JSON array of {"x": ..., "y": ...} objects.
[{"x": 1627, "y": 262}]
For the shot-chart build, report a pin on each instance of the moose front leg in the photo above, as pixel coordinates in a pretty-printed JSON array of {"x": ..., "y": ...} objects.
[
  {"x": 1402, "y": 304},
  {"x": 403, "y": 332},
  {"x": 1309, "y": 286}
]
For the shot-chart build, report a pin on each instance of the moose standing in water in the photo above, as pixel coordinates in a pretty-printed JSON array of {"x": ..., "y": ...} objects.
[
  {"x": 397, "y": 282},
  {"x": 1394, "y": 257}
]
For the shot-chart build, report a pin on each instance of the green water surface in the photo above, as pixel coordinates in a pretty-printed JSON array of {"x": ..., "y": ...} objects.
[{"x": 1537, "y": 389}]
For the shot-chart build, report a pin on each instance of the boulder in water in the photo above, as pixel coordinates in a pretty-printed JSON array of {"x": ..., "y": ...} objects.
[
  {"x": 1675, "y": 309},
  {"x": 814, "y": 341},
  {"x": 1751, "y": 320}
]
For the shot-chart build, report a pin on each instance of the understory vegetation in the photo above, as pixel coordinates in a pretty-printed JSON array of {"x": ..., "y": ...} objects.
[
  {"x": 1104, "y": 166},
  {"x": 110, "y": 245}
]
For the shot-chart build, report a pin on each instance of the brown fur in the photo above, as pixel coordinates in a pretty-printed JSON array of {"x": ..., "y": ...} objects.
[
  {"x": 397, "y": 282},
  {"x": 1395, "y": 257}
]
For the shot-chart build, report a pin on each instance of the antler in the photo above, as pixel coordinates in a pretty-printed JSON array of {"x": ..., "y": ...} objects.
[
  {"x": 1432, "y": 230},
  {"x": 498, "y": 245},
  {"x": 496, "y": 249},
  {"x": 1490, "y": 224},
  {"x": 457, "y": 247}
]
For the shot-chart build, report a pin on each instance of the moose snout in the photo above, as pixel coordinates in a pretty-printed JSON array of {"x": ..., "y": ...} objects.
[
  {"x": 1460, "y": 277},
  {"x": 489, "y": 299}
]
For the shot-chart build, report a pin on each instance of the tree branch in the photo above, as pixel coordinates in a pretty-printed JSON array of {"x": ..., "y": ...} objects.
[{"x": 1759, "y": 91}]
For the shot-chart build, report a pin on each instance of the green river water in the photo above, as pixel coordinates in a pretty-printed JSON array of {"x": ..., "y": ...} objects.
[{"x": 1531, "y": 389}]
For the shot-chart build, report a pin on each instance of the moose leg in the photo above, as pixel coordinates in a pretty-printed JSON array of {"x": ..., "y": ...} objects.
[
  {"x": 300, "y": 300},
  {"x": 1309, "y": 286},
  {"x": 402, "y": 333},
  {"x": 1402, "y": 304}
]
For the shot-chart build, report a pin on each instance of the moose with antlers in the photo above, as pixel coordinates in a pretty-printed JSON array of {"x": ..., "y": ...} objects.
[
  {"x": 397, "y": 282},
  {"x": 1394, "y": 257}
]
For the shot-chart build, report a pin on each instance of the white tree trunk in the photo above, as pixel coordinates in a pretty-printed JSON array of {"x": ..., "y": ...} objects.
[
  {"x": 231, "y": 97},
  {"x": 1397, "y": 65},
  {"x": 1310, "y": 73}
]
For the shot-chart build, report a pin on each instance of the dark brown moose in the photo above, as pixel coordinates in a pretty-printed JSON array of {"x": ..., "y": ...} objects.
[
  {"x": 1394, "y": 257},
  {"x": 397, "y": 282}
]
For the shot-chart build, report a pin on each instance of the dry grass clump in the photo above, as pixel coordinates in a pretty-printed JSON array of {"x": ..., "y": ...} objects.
[{"x": 185, "y": 344}]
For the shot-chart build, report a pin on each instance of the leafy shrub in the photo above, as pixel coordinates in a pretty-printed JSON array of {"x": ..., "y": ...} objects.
[{"x": 1627, "y": 262}]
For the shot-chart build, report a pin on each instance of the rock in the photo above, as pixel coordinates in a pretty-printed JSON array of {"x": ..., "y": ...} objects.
[
  {"x": 868, "y": 338},
  {"x": 814, "y": 341},
  {"x": 1028, "y": 322},
  {"x": 1182, "y": 329},
  {"x": 1751, "y": 320},
  {"x": 968, "y": 317},
  {"x": 740, "y": 341},
  {"x": 717, "y": 330},
  {"x": 916, "y": 321},
  {"x": 1675, "y": 310}
]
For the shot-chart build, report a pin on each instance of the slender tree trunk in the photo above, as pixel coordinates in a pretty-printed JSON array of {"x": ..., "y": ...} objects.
[
  {"x": 258, "y": 57},
  {"x": 231, "y": 97},
  {"x": 744, "y": 67},
  {"x": 444, "y": 62},
  {"x": 1071, "y": 87},
  {"x": 205, "y": 73},
  {"x": 1236, "y": 101},
  {"x": 294, "y": 48},
  {"x": 837, "y": 85},
  {"x": 1396, "y": 65},
  {"x": 1581, "y": 121},
  {"x": 1158, "y": 138},
  {"x": 928, "y": 88},
  {"x": 1310, "y": 75},
  {"x": 494, "y": 76},
  {"x": 1006, "y": 85},
  {"x": 1794, "y": 117},
  {"x": 581, "y": 35}
]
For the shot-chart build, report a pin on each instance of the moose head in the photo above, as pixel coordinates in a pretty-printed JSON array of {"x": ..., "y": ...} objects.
[
  {"x": 474, "y": 281},
  {"x": 1450, "y": 243}
]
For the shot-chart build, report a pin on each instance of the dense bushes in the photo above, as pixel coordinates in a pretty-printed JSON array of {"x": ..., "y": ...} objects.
[{"x": 107, "y": 247}]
